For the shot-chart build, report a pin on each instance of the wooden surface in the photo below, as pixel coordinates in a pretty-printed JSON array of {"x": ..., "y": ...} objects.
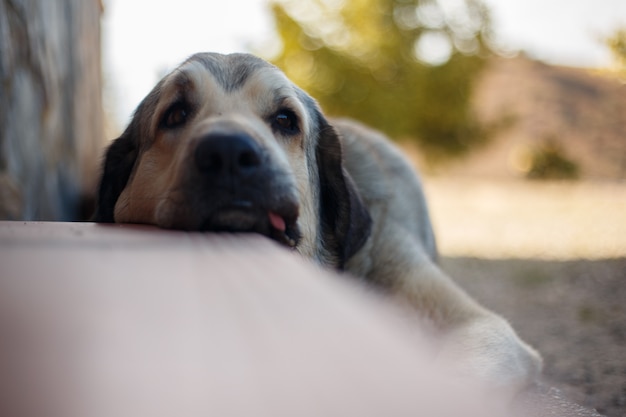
[{"x": 109, "y": 320}]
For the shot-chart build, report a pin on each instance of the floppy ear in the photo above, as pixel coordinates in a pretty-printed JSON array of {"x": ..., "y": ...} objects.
[
  {"x": 118, "y": 163},
  {"x": 346, "y": 222}
]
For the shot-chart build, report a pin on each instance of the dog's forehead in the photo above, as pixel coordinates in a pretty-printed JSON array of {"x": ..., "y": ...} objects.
[
  {"x": 235, "y": 82},
  {"x": 233, "y": 72}
]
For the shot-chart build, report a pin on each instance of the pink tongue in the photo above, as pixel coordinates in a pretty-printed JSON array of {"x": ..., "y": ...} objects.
[{"x": 277, "y": 222}]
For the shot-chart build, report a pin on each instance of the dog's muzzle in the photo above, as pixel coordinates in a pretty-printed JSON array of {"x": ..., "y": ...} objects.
[{"x": 245, "y": 190}]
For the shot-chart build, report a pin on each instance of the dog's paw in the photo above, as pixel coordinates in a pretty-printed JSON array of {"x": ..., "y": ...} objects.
[{"x": 489, "y": 349}]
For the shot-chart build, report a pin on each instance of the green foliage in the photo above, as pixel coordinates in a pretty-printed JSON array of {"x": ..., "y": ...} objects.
[
  {"x": 365, "y": 59},
  {"x": 617, "y": 45},
  {"x": 549, "y": 162}
]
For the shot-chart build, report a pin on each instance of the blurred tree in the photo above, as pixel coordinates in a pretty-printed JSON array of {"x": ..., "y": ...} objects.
[
  {"x": 617, "y": 45},
  {"x": 549, "y": 161},
  {"x": 406, "y": 67}
]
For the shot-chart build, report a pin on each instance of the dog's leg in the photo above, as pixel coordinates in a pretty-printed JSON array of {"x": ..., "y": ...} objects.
[{"x": 476, "y": 341}]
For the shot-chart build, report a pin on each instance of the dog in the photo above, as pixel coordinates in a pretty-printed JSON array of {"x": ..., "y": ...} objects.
[{"x": 229, "y": 143}]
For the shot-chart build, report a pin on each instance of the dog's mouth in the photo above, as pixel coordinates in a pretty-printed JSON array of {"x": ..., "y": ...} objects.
[{"x": 243, "y": 217}]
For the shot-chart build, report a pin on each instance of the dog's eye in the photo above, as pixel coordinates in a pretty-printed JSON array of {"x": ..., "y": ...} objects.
[
  {"x": 175, "y": 116},
  {"x": 286, "y": 122}
]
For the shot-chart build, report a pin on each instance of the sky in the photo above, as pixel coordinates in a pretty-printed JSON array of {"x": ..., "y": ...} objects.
[{"x": 143, "y": 39}]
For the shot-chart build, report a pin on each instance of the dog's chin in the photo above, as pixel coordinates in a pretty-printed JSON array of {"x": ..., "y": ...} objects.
[{"x": 279, "y": 227}]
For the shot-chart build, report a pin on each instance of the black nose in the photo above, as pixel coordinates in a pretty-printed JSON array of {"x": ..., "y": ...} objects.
[{"x": 222, "y": 154}]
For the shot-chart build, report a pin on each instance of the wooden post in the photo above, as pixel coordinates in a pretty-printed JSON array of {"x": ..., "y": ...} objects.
[{"x": 51, "y": 122}]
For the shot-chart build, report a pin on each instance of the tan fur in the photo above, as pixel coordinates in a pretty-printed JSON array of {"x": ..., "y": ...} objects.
[{"x": 400, "y": 253}]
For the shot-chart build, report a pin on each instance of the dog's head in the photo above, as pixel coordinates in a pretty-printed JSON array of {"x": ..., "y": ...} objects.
[{"x": 228, "y": 143}]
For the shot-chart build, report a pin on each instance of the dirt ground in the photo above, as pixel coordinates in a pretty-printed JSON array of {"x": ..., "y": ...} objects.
[
  {"x": 573, "y": 312},
  {"x": 551, "y": 258}
]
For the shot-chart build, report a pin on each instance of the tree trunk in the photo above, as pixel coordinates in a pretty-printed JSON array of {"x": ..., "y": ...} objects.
[{"x": 51, "y": 120}]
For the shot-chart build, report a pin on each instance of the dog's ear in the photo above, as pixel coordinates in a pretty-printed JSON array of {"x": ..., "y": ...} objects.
[
  {"x": 346, "y": 222},
  {"x": 118, "y": 163}
]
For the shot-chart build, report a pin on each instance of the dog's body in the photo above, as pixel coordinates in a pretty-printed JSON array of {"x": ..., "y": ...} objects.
[{"x": 229, "y": 143}]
